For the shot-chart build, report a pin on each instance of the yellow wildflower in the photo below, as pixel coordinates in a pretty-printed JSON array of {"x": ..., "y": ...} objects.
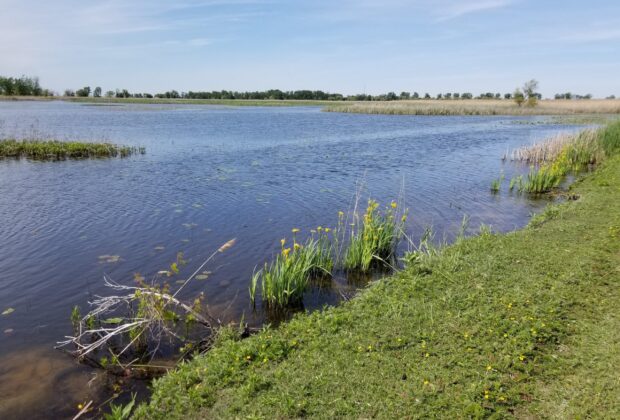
[
  {"x": 80, "y": 406},
  {"x": 286, "y": 251},
  {"x": 296, "y": 246},
  {"x": 522, "y": 357},
  {"x": 426, "y": 355},
  {"x": 393, "y": 204},
  {"x": 426, "y": 382},
  {"x": 319, "y": 228},
  {"x": 489, "y": 367},
  {"x": 340, "y": 214},
  {"x": 295, "y": 230},
  {"x": 327, "y": 230},
  {"x": 282, "y": 241}
]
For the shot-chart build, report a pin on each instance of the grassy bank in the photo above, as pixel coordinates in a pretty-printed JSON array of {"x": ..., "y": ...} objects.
[
  {"x": 479, "y": 107},
  {"x": 521, "y": 324},
  {"x": 60, "y": 150}
]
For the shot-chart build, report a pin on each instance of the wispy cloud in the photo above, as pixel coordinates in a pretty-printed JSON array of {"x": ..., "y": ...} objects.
[
  {"x": 594, "y": 35},
  {"x": 461, "y": 8}
]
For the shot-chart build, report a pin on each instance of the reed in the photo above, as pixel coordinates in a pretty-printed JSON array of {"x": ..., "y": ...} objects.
[
  {"x": 555, "y": 158},
  {"x": 61, "y": 150},
  {"x": 478, "y": 107}
]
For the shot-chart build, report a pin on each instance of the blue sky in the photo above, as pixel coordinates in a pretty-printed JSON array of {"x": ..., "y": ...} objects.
[{"x": 339, "y": 46}]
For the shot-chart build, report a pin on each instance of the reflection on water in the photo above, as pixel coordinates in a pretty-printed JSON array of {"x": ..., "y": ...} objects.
[{"x": 212, "y": 174}]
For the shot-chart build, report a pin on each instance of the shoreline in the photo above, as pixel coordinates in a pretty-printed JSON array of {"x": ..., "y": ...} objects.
[{"x": 491, "y": 325}]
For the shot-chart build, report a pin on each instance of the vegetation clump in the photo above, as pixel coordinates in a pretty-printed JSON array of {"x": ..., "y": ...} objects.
[
  {"x": 61, "y": 150},
  {"x": 552, "y": 160}
]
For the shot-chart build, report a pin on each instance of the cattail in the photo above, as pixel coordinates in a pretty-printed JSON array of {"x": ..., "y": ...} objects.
[{"x": 227, "y": 245}]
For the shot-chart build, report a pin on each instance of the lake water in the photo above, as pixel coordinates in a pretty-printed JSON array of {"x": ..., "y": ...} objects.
[{"x": 211, "y": 174}]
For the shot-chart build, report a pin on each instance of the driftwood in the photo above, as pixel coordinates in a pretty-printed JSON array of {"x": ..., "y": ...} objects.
[{"x": 150, "y": 324}]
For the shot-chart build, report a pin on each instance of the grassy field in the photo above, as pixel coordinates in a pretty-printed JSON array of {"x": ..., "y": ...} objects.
[
  {"x": 479, "y": 107},
  {"x": 60, "y": 150},
  {"x": 523, "y": 324}
]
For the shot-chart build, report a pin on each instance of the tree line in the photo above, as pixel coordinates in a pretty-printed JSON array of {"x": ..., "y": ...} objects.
[
  {"x": 22, "y": 86},
  {"x": 30, "y": 86}
]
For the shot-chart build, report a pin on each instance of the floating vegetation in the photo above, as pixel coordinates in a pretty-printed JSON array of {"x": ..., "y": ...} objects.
[
  {"x": 61, "y": 150},
  {"x": 8, "y": 311},
  {"x": 109, "y": 258},
  {"x": 203, "y": 276}
]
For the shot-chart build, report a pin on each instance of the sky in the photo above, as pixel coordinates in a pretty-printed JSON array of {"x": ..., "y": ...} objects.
[{"x": 345, "y": 46}]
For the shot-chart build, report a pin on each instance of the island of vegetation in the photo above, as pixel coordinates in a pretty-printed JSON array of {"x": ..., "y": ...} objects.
[{"x": 61, "y": 150}]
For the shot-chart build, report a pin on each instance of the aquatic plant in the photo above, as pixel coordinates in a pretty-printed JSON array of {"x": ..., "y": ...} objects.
[
  {"x": 374, "y": 239},
  {"x": 284, "y": 280},
  {"x": 60, "y": 150},
  {"x": 554, "y": 159},
  {"x": 497, "y": 183}
]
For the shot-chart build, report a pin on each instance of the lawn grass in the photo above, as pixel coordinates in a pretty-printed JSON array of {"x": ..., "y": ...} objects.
[
  {"x": 525, "y": 324},
  {"x": 60, "y": 150}
]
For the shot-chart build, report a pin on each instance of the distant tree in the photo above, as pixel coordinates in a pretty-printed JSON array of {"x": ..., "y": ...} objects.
[
  {"x": 529, "y": 92},
  {"x": 69, "y": 92},
  {"x": 611, "y": 97},
  {"x": 84, "y": 92},
  {"x": 588, "y": 96},
  {"x": 518, "y": 96},
  {"x": 391, "y": 96},
  {"x": 498, "y": 95},
  {"x": 97, "y": 92},
  {"x": 439, "y": 96},
  {"x": 508, "y": 96},
  {"x": 415, "y": 95},
  {"x": 467, "y": 95},
  {"x": 427, "y": 96},
  {"x": 448, "y": 96},
  {"x": 405, "y": 95},
  {"x": 456, "y": 95},
  {"x": 109, "y": 94}
]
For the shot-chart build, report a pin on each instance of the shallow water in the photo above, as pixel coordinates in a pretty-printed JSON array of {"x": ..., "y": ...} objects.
[{"x": 211, "y": 174}]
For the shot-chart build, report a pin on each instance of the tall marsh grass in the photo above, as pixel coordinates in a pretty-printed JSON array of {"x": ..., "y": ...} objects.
[
  {"x": 553, "y": 159},
  {"x": 60, "y": 150},
  {"x": 478, "y": 107}
]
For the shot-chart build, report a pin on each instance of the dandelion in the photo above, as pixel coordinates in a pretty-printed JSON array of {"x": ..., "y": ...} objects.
[
  {"x": 319, "y": 228},
  {"x": 80, "y": 406},
  {"x": 426, "y": 382},
  {"x": 489, "y": 367},
  {"x": 404, "y": 218},
  {"x": 295, "y": 230},
  {"x": 286, "y": 251},
  {"x": 393, "y": 204},
  {"x": 327, "y": 230},
  {"x": 522, "y": 357}
]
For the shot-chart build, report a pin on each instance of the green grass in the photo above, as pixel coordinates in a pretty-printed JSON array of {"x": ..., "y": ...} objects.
[
  {"x": 524, "y": 324},
  {"x": 59, "y": 150}
]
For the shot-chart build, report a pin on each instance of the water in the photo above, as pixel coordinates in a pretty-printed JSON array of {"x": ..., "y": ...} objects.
[{"x": 211, "y": 174}]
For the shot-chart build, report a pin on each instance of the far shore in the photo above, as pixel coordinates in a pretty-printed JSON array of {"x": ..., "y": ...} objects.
[{"x": 399, "y": 107}]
